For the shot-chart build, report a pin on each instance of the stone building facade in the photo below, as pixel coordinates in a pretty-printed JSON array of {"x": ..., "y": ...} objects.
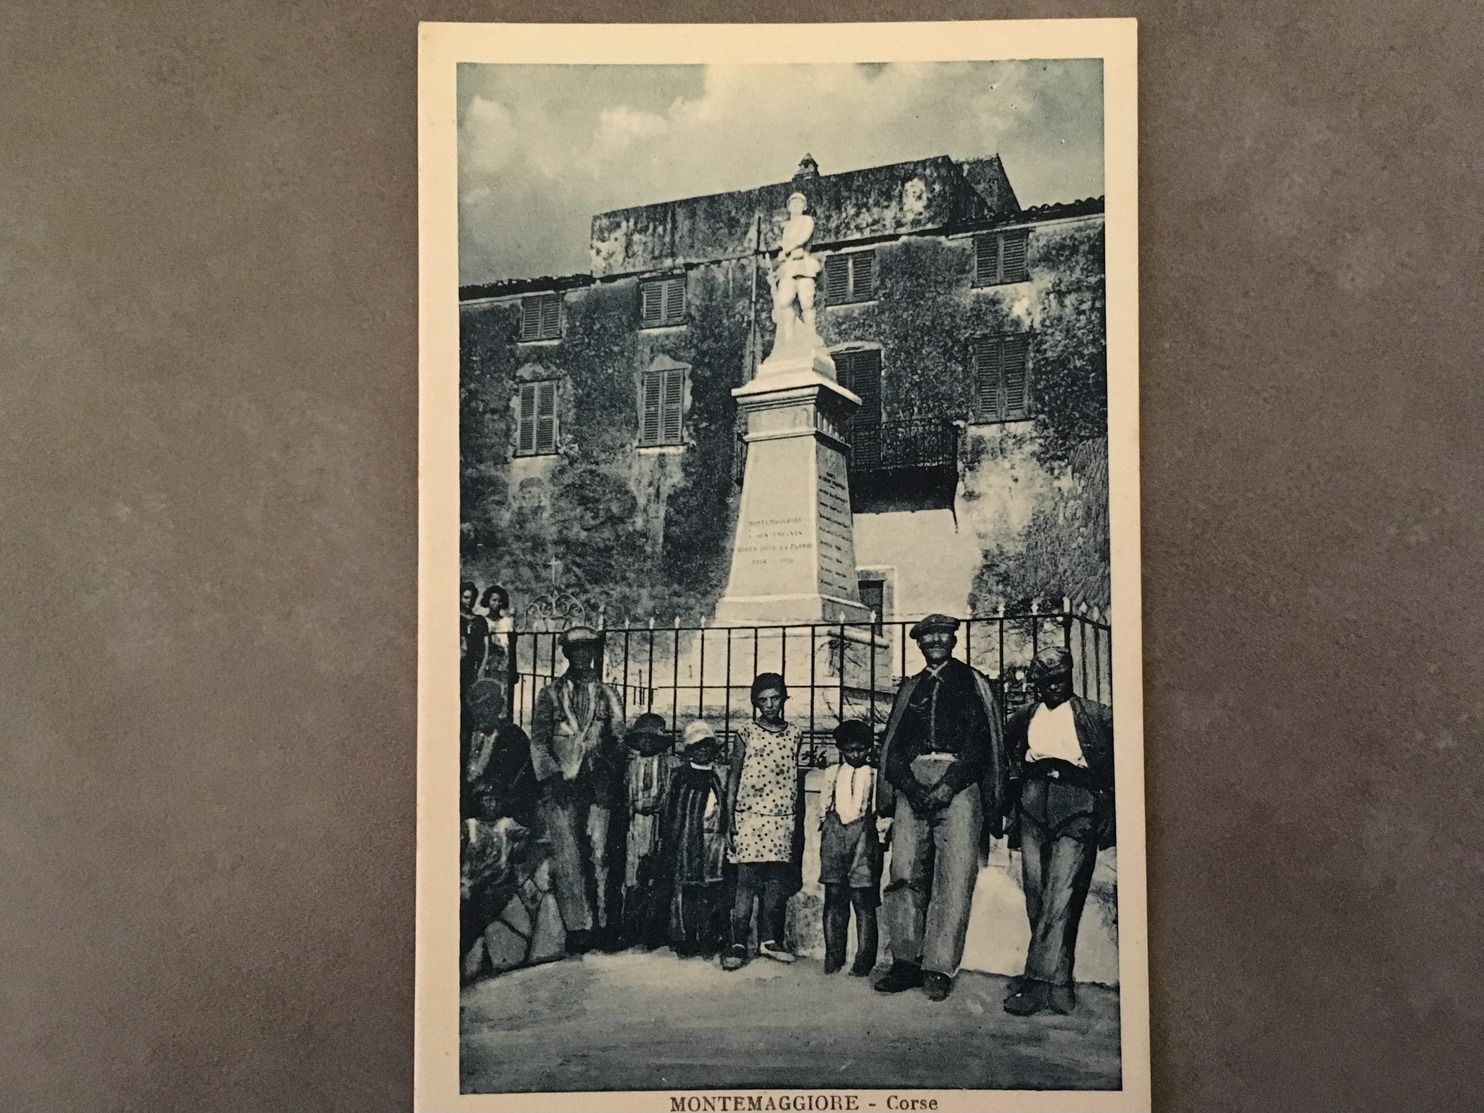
[{"x": 599, "y": 434}]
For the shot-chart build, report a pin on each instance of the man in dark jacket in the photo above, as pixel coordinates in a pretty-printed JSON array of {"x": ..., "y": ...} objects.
[
  {"x": 1061, "y": 762},
  {"x": 942, "y": 770}
]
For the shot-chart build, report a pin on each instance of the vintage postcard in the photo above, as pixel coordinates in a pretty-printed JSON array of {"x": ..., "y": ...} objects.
[{"x": 779, "y": 444}]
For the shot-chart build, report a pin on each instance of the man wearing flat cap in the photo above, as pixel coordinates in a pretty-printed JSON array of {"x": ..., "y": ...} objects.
[
  {"x": 576, "y": 728},
  {"x": 1061, "y": 764},
  {"x": 943, "y": 765}
]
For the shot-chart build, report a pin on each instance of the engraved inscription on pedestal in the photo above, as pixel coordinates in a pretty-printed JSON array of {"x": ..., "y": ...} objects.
[{"x": 837, "y": 572}]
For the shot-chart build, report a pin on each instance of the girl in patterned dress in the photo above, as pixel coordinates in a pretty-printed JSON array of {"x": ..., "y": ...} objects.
[{"x": 765, "y": 809}]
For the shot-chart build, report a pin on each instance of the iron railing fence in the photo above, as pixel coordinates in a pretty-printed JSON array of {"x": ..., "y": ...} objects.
[{"x": 833, "y": 670}]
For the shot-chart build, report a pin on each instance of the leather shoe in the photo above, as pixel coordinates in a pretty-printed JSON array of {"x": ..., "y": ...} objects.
[
  {"x": 936, "y": 986},
  {"x": 902, "y": 976},
  {"x": 1014, "y": 986},
  {"x": 1062, "y": 999},
  {"x": 1032, "y": 998},
  {"x": 832, "y": 964},
  {"x": 860, "y": 968}
]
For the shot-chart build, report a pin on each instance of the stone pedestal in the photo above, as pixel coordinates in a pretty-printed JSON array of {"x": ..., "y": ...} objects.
[{"x": 793, "y": 560}]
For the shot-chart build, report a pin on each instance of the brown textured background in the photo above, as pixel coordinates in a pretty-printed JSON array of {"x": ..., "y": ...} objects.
[{"x": 207, "y": 543}]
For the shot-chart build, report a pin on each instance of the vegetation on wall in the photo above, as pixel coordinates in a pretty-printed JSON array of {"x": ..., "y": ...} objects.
[
  {"x": 1064, "y": 551},
  {"x": 926, "y": 313},
  {"x": 581, "y": 507},
  {"x": 700, "y": 513}
]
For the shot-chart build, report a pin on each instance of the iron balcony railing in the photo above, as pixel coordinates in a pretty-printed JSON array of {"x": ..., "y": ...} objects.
[
  {"x": 887, "y": 446},
  {"x": 926, "y": 442}
]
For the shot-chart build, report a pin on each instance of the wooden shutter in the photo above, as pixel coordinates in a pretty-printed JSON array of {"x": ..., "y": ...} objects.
[
  {"x": 551, "y": 316},
  {"x": 673, "y": 404},
  {"x": 860, "y": 372},
  {"x": 651, "y": 303},
  {"x": 985, "y": 356},
  {"x": 986, "y": 260},
  {"x": 1014, "y": 399},
  {"x": 675, "y": 300},
  {"x": 1012, "y": 256},
  {"x": 863, "y": 276},
  {"x": 836, "y": 279},
  {"x": 649, "y": 420},
  {"x": 541, "y": 317},
  {"x": 546, "y": 417},
  {"x": 662, "y": 301},
  {"x": 525, "y": 442}
]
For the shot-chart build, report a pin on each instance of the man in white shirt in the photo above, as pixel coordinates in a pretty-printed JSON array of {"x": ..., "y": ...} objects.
[{"x": 1060, "y": 750}]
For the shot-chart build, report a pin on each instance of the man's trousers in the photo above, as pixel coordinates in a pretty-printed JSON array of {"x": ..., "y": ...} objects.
[
  {"x": 1058, "y": 848},
  {"x": 576, "y": 831},
  {"x": 930, "y": 886}
]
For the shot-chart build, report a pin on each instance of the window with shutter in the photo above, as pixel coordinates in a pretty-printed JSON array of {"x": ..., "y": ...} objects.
[
  {"x": 1002, "y": 387},
  {"x": 536, "y": 419},
  {"x": 850, "y": 277},
  {"x": 662, "y": 301},
  {"x": 1000, "y": 257},
  {"x": 662, "y": 407},
  {"x": 541, "y": 317}
]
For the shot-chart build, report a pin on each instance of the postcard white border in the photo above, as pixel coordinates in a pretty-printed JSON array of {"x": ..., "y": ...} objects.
[{"x": 442, "y": 46}]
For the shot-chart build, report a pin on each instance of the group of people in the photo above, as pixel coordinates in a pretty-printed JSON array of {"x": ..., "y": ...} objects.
[
  {"x": 484, "y": 624},
  {"x": 699, "y": 847}
]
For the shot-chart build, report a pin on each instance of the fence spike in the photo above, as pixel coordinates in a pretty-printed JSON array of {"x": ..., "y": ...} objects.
[
  {"x": 677, "y": 622},
  {"x": 651, "y": 622},
  {"x": 1035, "y": 606},
  {"x": 1066, "y": 604},
  {"x": 1083, "y": 608}
]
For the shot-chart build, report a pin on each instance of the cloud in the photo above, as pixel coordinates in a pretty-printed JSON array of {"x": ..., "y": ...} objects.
[
  {"x": 620, "y": 127},
  {"x": 542, "y": 148},
  {"x": 489, "y": 140}
]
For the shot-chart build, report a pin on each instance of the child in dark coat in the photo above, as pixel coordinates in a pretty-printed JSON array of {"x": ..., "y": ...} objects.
[
  {"x": 685, "y": 905},
  {"x": 850, "y": 851}
]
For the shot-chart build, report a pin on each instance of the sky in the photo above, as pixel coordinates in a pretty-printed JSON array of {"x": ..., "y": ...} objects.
[{"x": 543, "y": 148}]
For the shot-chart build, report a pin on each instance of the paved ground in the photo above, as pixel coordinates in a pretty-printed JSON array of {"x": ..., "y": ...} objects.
[{"x": 655, "y": 1022}]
